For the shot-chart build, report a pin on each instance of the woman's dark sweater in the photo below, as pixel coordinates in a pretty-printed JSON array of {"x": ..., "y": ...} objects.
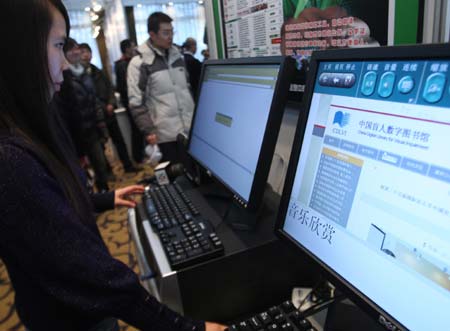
[{"x": 62, "y": 273}]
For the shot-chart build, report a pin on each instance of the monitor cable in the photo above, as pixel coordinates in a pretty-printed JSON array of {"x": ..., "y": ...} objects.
[
  {"x": 322, "y": 295},
  {"x": 320, "y": 291},
  {"x": 323, "y": 304}
]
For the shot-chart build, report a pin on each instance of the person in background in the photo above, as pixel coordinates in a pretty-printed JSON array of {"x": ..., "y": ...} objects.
[
  {"x": 77, "y": 96},
  {"x": 158, "y": 91},
  {"x": 205, "y": 54},
  {"x": 127, "y": 48},
  {"x": 107, "y": 101},
  {"x": 62, "y": 273},
  {"x": 64, "y": 122},
  {"x": 193, "y": 66}
]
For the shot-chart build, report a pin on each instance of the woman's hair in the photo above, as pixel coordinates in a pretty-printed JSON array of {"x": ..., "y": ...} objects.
[{"x": 25, "y": 88}]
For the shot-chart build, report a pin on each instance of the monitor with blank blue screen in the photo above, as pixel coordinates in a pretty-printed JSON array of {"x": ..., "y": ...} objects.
[
  {"x": 367, "y": 193},
  {"x": 237, "y": 119}
]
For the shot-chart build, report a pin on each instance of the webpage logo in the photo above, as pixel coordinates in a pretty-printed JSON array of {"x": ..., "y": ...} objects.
[{"x": 341, "y": 118}]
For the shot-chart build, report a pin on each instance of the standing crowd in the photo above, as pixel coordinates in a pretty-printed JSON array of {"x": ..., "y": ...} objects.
[{"x": 157, "y": 83}]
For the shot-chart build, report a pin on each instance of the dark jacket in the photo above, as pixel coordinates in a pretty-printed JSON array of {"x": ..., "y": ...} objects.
[
  {"x": 80, "y": 109},
  {"x": 63, "y": 275},
  {"x": 120, "y": 67},
  {"x": 80, "y": 93},
  {"x": 194, "y": 68},
  {"x": 63, "y": 126},
  {"x": 103, "y": 88}
]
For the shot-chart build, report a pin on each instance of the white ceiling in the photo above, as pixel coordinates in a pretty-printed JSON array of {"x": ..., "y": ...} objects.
[
  {"x": 76, "y": 4},
  {"x": 81, "y": 4}
]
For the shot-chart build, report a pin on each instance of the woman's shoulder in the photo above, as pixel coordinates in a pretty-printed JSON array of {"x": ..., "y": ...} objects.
[
  {"x": 16, "y": 158},
  {"x": 23, "y": 176},
  {"x": 11, "y": 146}
]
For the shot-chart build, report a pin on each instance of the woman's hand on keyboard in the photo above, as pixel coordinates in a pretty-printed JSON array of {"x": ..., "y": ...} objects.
[
  {"x": 214, "y": 327},
  {"x": 123, "y": 196}
]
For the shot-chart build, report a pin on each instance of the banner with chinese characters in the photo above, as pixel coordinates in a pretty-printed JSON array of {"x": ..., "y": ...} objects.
[
  {"x": 297, "y": 27},
  {"x": 311, "y": 25}
]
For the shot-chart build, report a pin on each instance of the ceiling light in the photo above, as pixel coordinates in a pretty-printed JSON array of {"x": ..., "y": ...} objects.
[
  {"x": 87, "y": 9},
  {"x": 139, "y": 5},
  {"x": 94, "y": 17},
  {"x": 170, "y": 3},
  {"x": 97, "y": 8}
]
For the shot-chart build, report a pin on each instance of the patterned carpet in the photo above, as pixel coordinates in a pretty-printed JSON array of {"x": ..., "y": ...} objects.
[{"x": 113, "y": 227}]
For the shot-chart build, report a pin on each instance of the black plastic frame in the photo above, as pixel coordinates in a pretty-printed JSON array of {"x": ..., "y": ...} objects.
[
  {"x": 285, "y": 74},
  {"x": 418, "y": 52}
]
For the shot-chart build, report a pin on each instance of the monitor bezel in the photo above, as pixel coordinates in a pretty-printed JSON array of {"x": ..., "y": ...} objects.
[
  {"x": 276, "y": 111},
  {"x": 410, "y": 52}
]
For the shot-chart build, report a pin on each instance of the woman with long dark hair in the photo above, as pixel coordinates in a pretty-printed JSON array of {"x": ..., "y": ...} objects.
[{"x": 63, "y": 275}]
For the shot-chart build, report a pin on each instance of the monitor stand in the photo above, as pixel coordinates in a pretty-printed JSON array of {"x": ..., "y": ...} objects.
[
  {"x": 242, "y": 219},
  {"x": 239, "y": 218}
]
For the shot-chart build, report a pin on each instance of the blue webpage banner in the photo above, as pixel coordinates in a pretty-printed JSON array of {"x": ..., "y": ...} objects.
[{"x": 413, "y": 82}]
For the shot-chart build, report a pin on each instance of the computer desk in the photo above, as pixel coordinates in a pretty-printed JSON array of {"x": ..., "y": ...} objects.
[{"x": 256, "y": 271}]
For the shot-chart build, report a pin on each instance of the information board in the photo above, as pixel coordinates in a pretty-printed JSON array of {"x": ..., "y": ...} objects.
[{"x": 252, "y": 27}]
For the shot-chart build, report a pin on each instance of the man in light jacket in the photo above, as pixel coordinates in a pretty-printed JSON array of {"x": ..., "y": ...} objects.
[{"x": 158, "y": 89}]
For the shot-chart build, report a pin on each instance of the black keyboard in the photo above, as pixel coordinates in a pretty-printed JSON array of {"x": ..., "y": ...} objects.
[
  {"x": 187, "y": 237},
  {"x": 283, "y": 317}
]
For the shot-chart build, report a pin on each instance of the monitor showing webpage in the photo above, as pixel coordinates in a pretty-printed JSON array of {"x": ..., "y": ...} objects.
[
  {"x": 230, "y": 121},
  {"x": 371, "y": 194}
]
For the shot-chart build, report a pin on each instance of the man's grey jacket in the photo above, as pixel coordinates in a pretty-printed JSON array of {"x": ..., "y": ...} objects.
[{"x": 159, "y": 96}]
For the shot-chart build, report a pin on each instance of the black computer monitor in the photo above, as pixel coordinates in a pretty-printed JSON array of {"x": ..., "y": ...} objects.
[
  {"x": 236, "y": 122},
  {"x": 367, "y": 193}
]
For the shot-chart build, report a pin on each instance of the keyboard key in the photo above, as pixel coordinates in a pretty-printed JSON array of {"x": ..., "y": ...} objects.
[
  {"x": 151, "y": 208},
  {"x": 296, "y": 317},
  {"x": 276, "y": 318},
  {"x": 207, "y": 247},
  {"x": 287, "y": 327},
  {"x": 244, "y": 326},
  {"x": 217, "y": 244},
  {"x": 279, "y": 319},
  {"x": 287, "y": 306},
  {"x": 274, "y": 311},
  {"x": 265, "y": 318},
  {"x": 304, "y": 325},
  {"x": 167, "y": 223},
  {"x": 195, "y": 252},
  {"x": 255, "y": 323},
  {"x": 178, "y": 258}
]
